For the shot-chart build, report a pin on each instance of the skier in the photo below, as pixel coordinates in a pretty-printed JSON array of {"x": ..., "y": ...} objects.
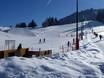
[
  {"x": 62, "y": 48},
  {"x": 73, "y": 41},
  {"x": 100, "y": 36},
  {"x": 44, "y": 40},
  {"x": 68, "y": 44},
  {"x": 96, "y": 35},
  {"x": 81, "y": 35},
  {"x": 40, "y": 41},
  {"x": 39, "y": 49},
  {"x": 92, "y": 30}
]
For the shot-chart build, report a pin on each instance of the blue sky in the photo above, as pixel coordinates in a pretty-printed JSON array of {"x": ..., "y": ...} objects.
[{"x": 16, "y": 11}]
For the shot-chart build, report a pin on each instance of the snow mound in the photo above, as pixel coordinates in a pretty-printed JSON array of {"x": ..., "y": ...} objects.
[
  {"x": 4, "y": 28},
  {"x": 21, "y": 31},
  {"x": 58, "y": 66}
]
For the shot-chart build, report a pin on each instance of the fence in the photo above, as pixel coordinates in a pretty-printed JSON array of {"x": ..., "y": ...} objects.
[{"x": 24, "y": 52}]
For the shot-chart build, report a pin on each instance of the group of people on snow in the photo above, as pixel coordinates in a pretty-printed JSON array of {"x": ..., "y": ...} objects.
[
  {"x": 96, "y": 35},
  {"x": 42, "y": 40}
]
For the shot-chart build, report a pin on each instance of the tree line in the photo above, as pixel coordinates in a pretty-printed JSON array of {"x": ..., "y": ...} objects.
[
  {"x": 100, "y": 15},
  {"x": 32, "y": 24},
  {"x": 51, "y": 21},
  {"x": 48, "y": 22}
]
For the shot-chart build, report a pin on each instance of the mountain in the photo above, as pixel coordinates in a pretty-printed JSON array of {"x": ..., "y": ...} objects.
[{"x": 85, "y": 15}]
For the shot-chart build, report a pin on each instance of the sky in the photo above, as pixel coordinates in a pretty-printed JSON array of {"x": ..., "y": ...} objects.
[{"x": 17, "y": 11}]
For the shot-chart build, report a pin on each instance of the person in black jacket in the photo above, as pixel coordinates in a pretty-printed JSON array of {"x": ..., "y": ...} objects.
[
  {"x": 100, "y": 36},
  {"x": 40, "y": 41},
  {"x": 17, "y": 53},
  {"x": 44, "y": 40},
  {"x": 68, "y": 44}
]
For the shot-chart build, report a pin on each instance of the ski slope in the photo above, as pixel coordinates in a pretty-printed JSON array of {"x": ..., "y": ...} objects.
[{"x": 87, "y": 62}]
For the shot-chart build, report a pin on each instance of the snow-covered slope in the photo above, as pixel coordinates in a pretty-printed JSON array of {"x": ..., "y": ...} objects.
[
  {"x": 21, "y": 31},
  {"x": 4, "y": 28},
  {"x": 87, "y": 62}
]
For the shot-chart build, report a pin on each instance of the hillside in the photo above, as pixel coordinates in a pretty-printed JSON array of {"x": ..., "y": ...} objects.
[
  {"x": 84, "y": 15},
  {"x": 87, "y": 62}
]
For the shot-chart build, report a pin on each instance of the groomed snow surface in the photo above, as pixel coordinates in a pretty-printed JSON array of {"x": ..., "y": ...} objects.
[{"x": 87, "y": 62}]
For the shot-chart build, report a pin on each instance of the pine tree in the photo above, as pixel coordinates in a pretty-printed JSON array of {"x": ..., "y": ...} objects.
[
  {"x": 50, "y": 22},
  {"x": 32, "y": 24},
  {"x": 21, "y": 25},
  {"x": 100, "y": 16}
]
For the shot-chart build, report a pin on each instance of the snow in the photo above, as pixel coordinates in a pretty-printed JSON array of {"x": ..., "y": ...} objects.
[
  {"x": 87, "y": 62},
  {"x": 4, "y": 28},
  {"x": 21, "y": 31}
]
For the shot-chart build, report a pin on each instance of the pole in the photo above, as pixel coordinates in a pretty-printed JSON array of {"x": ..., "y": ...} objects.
[{"x": 77, "y": 39}]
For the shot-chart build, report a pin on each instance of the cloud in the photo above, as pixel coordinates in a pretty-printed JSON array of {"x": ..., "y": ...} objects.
[{"x": 49, "y": 2}]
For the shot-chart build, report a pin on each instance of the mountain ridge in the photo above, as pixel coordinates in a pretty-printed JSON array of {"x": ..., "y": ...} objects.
[{"x": 84, "y": 15}]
